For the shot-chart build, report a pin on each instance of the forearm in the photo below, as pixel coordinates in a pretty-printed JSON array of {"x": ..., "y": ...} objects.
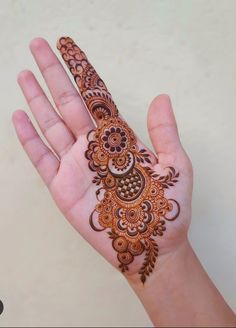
[{"x": 180, "y": 293}]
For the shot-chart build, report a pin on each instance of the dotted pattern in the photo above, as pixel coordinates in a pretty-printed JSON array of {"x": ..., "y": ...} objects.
[{"x": 130, "y": 186}]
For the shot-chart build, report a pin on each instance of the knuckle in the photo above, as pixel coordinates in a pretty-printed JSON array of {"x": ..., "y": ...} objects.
[
  {"x": 49, "y": 123},
  {"x": 66, "y": 97},
  {"x": 160, "y": 126},
  {"x": 40, "y": 159}
]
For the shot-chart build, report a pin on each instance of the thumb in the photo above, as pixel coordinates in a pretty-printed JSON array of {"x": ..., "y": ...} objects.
[{"x": 162, "y": 126}]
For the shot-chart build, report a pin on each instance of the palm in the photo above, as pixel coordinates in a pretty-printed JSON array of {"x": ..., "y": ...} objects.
[
  {"x": 73, "y": 175},
  {"x": 70, "y": 179}
]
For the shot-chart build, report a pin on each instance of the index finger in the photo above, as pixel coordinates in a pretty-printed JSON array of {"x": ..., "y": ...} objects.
[{"x": 92, "y": 88}]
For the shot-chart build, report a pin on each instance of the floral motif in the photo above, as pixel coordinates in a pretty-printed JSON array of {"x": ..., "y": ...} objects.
[
  {"x": 133, "y": 207},
  {"x": 115, "y": 140}
]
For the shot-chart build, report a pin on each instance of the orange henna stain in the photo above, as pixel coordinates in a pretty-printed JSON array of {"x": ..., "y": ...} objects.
[{"x": 133, "y": 206}]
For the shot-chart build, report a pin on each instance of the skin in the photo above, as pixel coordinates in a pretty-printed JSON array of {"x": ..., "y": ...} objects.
[
  {"x": 179, "y": 292},
  {"x": 131, "y": 203}
]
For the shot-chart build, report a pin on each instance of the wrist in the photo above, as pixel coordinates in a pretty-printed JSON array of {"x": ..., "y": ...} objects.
[
  {"x": 163, "y": 284},
  {"x": 180, "y": 293},
  {"x": 165, "y": 266}
]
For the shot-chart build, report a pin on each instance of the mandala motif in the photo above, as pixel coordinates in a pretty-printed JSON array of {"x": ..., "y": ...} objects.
[{"x": 131, "y": 199}]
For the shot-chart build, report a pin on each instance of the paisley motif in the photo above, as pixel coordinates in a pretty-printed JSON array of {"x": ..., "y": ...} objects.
[{"x": 133, "y": 208}]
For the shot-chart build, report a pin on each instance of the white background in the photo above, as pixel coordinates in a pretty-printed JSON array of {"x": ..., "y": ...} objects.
[{"x": 49, "y": 276}]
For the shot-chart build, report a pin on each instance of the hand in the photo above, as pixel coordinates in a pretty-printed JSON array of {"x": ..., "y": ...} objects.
[
  {"x": 129, "y": 204},
  {"x": 111, "y": 188}
]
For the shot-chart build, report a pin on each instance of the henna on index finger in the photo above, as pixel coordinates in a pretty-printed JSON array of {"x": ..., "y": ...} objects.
[
  {"x": 133, "y": 208},
  {"x": 92, "y": 88}
]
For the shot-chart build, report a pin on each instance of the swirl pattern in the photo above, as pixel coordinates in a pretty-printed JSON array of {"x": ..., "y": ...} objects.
[{"x": 133, "y": 207}]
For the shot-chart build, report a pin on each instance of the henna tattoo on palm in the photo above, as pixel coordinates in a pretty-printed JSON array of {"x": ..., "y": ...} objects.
[{"x": 131, "y": 202}]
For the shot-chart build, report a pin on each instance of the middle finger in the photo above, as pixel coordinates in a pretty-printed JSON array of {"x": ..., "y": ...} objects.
[{"x": 65, "y": 95}]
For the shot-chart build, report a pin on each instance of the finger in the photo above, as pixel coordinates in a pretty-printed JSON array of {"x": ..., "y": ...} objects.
[
  {"x": 50, "y": 123},
  {"x": 65, "y": 95},
  {"x": 92, "y": 89},
  {"x": 41, "y": 156},
  {"x": 162, "y": 126}
]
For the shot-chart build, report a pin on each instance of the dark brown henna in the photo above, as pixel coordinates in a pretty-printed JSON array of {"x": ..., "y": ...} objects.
[
  {"x": 93, "y": 90},
  {"x": 133, "y": 205}
]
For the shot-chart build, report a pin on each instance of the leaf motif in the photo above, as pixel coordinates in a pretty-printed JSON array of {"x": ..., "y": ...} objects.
[
  {"x": 143, "y": 278},
  {"x": 171, "y": 169},
  {"x": 150, "y": 258},
  {"x": 148, "y": 160},
  {"x": 112, "y": 234}
]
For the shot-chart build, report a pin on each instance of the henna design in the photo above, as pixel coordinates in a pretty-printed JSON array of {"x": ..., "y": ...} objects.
[{"x": 133, "y": 206}]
